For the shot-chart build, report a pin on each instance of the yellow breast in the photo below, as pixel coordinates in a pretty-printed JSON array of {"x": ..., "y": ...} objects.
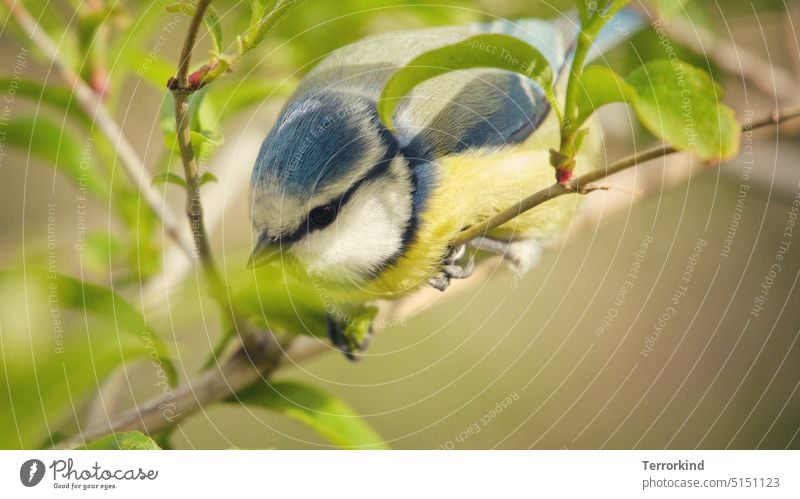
[{"x": 470, "y": 188}]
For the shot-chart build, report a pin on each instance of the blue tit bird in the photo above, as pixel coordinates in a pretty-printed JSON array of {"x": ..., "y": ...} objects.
[{"x": 372, "y": 213}]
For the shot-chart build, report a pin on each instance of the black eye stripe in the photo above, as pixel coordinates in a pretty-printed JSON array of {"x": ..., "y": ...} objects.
[
  {"x": 380, "y": 168},
  {"x": 337, "y": 204}
]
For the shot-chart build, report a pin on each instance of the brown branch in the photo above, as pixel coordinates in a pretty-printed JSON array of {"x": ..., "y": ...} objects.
[
  {"x": 92, "y": 106},
  {"x": 579, "y": 185},
  {"x": 218, "y": 383},
  {"x": 246, "y": 367}
]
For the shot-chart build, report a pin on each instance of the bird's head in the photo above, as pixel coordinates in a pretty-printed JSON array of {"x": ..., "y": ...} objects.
[{"x": 331, "y": 190}]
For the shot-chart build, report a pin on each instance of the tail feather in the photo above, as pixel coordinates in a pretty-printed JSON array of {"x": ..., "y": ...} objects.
[
  {"x": 620, "y": 28},
  {"x": 551, "y": 38},
  {"x": 556, "y": 38}
]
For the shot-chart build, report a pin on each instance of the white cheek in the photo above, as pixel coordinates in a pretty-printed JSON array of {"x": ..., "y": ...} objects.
[{"x": 367, "y": 232}]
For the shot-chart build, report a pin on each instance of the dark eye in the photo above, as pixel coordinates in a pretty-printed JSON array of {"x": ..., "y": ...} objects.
[{"x": 322, "y": 216}]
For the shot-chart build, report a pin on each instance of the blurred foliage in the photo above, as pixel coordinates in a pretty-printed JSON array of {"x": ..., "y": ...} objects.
[
  {"x": 66, "y": 337},
  {"x": 56, "y": 146}
]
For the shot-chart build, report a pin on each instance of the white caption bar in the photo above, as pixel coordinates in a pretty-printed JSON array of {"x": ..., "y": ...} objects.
[{"x": 331, "y": 474}]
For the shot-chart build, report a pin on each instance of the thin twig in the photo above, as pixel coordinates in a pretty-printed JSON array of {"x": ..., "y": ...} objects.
[
  {"x": 578, "y": 184},
  {"x": 93, "y": 107},
  {"x": 188, "y": 43},
  {"x": 180, "y": 94},
  {"x": 181, "y": 90}
]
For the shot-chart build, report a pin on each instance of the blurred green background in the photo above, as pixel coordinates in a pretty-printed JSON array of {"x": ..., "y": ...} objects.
[{"x": 500, "y": 364}]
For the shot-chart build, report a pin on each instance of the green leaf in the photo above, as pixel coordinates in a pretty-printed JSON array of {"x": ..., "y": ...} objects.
[
  {"x": 207, "y": 177},
  {"x": 137, "y": 52},
  {"x": 329, "y": 417},
  {"x": 58, "y": 97},
  {"x": 52, "y": 22},
  {"x": 101, "y": 250},
  {"x": 59, "y": 147},
  {"x": 202, "y": 112},
  {"x": 60, "y": 338},
  {"x": 141, "y": 20},
  {"x": 584, "y": 14},
  {"x": 481, "y": 51},
  {"x": 203, "y": 124},
  {"x": 261, "y": 27},
  {"x": 675, "y": 101},
  {"x": 131, "y": 440},
  {"x": 270, "y": 296},
  {"x": 680, "y": 104},
  {"x": 165, "y": 177},
  {"x": 210, "y": 19},
  {"x": 149, "y": 66},
  {"x": 258, "y": 9},
  {"x": 599, "y": 86},
  {"x": 669, "y": 9},
  {"x": 142, "y": 253},
  {"x": 205, "y": 141}
]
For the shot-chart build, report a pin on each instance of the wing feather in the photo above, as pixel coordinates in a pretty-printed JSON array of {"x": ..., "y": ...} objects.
[{"x": 455, "y": 111}]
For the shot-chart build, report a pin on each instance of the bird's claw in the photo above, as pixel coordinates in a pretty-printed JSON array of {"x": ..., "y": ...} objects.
[
  {"x": 521, "y": 255},
  {"x": 440, "y": 282},
  {"x": 451, "y": 269}
]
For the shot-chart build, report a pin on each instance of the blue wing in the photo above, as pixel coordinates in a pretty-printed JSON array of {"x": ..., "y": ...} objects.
[
  {"x": 483, "y": 108},
  {"x": 496, "y": 108}
]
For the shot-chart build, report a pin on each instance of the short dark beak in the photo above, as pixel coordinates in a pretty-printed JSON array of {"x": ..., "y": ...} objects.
[{"x": 266, "y": 251}]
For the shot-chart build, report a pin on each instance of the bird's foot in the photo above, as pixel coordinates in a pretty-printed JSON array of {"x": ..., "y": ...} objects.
[
  {"x": 452, "y": 268},
  {"x": 352, "y": 335},
  {"x": 521, "y": 256}
]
